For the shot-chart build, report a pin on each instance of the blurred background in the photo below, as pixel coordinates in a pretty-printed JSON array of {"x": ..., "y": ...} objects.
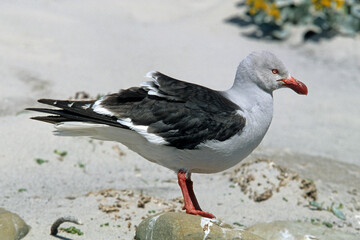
[{"x": 56, "y": 48}]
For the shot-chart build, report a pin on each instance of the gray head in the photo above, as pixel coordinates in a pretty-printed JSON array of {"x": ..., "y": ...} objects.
[{"x": 267, "y": 71}]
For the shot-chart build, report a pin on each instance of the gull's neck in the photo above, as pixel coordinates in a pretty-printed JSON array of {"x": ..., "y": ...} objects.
[
  {"x": 247, "y": 95},
  {"x": 256, "y": 106}
]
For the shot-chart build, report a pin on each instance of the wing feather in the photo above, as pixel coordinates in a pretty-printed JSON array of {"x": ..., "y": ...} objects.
[
  {"x": 163, "y": 110},
  {"x": 184, "y": 114}
]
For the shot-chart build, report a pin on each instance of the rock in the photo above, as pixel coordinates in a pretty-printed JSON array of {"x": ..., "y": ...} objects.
[
  {"x": 12, "y": 227},
  {"x": 281, "y": 230},
  {"x": 179, "y": 226}
]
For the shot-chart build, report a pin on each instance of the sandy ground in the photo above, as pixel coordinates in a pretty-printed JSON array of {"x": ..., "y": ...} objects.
[{"x": 57, "y": 48}]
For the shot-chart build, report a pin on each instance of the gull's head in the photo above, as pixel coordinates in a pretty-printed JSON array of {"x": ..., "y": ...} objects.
[{"x": 267, "y": 71}]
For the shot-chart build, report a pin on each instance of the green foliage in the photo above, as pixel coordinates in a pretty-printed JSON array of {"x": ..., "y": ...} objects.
[
  {"x": 22, "y": 190},
  {"x": 317, "y": 221},
  {"x": 326, "y": 18},
  {"x": 327, "y": 224},
  {"x": 316, "y": 206},
  {"x": 41, "y": 161},
  {"x": 72, "y": 230},
  {"x": 238, "y": 224},
  {"x": 105, "y": 224},
  {"x": 335, "y": 210},
  {"x": 60, "y": 153}
]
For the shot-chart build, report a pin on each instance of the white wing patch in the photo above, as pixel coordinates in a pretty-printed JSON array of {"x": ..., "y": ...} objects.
[
  {"x": 151, "y": 89},
  {"x": 151, "y": 74},
  {"x": 149, "y": 85},
  {"x": 100, "y": 109},
  {"x": 86, "y": 106},
  {"x": 142, "y": 130}
]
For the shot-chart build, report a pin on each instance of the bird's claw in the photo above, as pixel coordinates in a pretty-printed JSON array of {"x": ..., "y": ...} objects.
[{"x": 201, "y": 213}]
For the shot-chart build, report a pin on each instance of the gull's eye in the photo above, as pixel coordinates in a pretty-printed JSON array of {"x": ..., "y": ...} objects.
[{"x": 275, "y": 71}]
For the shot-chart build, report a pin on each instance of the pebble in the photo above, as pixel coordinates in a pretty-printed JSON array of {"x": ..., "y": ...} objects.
[
  {"x": 179, "y": 226},
  {"x": 12, "y": 227}
]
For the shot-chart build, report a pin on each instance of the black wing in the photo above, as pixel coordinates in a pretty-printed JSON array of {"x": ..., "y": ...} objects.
[{"x": 183, "y": 114}]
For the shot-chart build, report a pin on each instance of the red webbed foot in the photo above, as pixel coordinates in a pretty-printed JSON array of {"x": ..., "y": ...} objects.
[{"x": 201, "y": 213}]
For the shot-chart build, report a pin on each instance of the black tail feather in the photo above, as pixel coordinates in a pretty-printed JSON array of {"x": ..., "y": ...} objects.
[
  {"x": 62, "y": 113},
  {"x": 69, "y": 105},
  {"x": 79, "y": 111},
  {"x": 51, "y": 119}
]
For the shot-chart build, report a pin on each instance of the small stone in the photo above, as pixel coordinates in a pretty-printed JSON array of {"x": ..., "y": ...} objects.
[
  {"x": 178, "y": 226},
  {"x": 109, "y": 208},
  {"x": 264, "y": 196},
  {"x": 12, "y": 227},
  {"x": 144, "y": 200},
  {"x": 280, "y": 230},
  {"x": 309, "y": 188}
]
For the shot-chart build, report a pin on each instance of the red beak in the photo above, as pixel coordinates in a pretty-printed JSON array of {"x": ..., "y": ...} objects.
[{"x": 295, "y": 85}]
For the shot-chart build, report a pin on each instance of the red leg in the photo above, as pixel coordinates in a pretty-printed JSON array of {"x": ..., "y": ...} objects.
[
  {"x": 189, "y": 185},
  {"x": 189, "y": 196}
]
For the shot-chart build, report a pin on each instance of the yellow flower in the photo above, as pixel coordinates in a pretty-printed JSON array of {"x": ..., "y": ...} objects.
[
  {"x": 264, "y": 5},
  {"x": 326, "y": 3},
  {"x": 260, "y": 4},
  {"x": 274, "y": 11},
  {"x": 317, "y": 4},
  {"x": 339, "y": 3},
  {"x": 252, "y": 11}
]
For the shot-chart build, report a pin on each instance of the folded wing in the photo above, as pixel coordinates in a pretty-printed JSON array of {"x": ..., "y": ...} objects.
[{"x": 163, "y": 110}]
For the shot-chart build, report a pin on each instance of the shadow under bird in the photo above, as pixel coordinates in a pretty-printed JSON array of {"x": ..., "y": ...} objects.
[{"x": 185, "y": 127}]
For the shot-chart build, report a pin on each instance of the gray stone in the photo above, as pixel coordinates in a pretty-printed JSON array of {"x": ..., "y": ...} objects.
[
  {"x": 180, "y": 226},
  {"x": 12, "y": 227},
  {"x": 281, "y": 230}
]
